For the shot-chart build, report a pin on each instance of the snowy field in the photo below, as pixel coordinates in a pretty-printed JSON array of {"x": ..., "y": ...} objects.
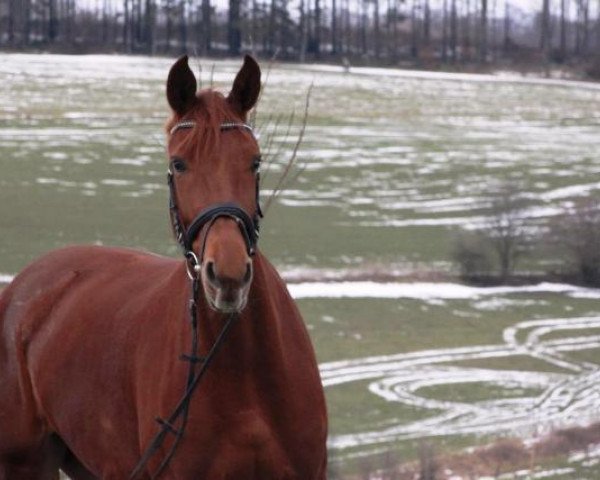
[{"x": 394, "y": 163}]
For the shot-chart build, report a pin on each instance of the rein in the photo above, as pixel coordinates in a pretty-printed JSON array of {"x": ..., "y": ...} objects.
[{"x": 249, "y": 227}]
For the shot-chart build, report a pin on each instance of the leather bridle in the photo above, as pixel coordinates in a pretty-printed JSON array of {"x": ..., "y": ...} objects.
[{"x": 249, "y": 227}]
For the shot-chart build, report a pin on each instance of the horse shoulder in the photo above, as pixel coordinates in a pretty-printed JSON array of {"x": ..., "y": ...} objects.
[
  {"x": 297, "y": 393},
  {"x": 68, "y": 311}
]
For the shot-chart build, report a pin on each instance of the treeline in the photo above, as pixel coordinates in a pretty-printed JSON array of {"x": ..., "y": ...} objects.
[{"x": 425, "y": 32}]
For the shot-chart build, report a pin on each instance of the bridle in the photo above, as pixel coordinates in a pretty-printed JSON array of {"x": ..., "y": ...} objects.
[{"x": 249, "y": 227}]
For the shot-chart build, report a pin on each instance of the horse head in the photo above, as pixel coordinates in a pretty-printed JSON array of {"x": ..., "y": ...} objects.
[{"x": 214, "y": 161}]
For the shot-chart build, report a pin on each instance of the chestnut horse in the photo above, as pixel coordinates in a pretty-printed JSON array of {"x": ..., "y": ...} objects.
[{"x": 92, "y": 338}]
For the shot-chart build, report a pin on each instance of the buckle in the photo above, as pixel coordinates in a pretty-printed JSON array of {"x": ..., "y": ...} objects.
[{"x": 192, "y": 265}]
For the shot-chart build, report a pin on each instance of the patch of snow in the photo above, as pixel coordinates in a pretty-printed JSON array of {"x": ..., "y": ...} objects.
[
  {"x": 424, "y": 290},
  {"x": 116, "y": 182}
]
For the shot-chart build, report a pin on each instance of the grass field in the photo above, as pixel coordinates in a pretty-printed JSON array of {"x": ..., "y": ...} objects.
[{"x": 394, "y": 164}]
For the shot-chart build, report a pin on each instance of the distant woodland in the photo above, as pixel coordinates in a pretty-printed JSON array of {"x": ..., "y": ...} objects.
[{"x": 421, "y": 33}]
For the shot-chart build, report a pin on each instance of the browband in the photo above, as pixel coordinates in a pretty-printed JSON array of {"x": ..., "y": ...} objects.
[{"x": 224, "y": 126}]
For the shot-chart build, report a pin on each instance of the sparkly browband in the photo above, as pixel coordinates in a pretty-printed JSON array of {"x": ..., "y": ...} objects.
[{"x": 224, "y": 126}]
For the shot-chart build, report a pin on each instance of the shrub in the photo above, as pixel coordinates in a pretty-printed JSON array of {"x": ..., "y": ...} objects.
[
  {"x": 576, "y": 233},
  {"x": 499, "y": 242},
  {"x": 504, "y": 454},
  {"x": 472, "y": 256},
  {"x": 428, "y": 463}
]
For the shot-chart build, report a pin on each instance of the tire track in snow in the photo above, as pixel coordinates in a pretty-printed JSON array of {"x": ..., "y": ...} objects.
[{"x": 571, "y": 397}]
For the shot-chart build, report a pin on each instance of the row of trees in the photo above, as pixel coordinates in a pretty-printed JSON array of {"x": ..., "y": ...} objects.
[{"x": 386, "y": 31}]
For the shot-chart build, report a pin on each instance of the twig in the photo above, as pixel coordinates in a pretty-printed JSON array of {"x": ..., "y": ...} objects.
[
  {"x": 199, "y": 65},
  {"x": 212, "y": 76},
  {"x": 291, "y": 161},
  {"x": 253, "y": 114}
]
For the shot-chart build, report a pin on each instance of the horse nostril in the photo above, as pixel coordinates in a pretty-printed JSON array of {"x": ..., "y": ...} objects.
[
  {"x": 210, "y": 273},
  {"x": 248, "y": 274}
]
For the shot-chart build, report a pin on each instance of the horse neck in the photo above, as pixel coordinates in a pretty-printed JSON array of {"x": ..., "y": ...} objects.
[
  {"x": 255, "y": 335},
  {"x": 263, "y": 351}
]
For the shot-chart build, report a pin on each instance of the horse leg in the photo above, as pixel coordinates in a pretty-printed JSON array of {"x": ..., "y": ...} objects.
[
  {"x": 75, "y": 469},
  {"x": 37, "y": 463}
]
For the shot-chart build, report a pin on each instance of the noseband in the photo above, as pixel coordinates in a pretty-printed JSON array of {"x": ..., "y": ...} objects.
[{"x": 249, "y": 225}]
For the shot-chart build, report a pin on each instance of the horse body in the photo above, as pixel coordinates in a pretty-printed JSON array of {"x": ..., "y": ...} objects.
[
  {"x": 259, "y": 413},
  {"x": 92, "y": 337}
]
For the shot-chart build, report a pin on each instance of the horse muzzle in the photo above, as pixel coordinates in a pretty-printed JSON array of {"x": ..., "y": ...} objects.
[{"x": 226, "y": 294}]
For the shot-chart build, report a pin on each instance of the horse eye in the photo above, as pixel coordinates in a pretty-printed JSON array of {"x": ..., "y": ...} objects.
[
  {"x": 256, "y": 164},
  {"x": 179, "y": 165}
]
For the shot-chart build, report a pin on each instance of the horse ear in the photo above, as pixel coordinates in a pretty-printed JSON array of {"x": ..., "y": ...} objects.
[
  {"x": 246, "y": 86},
  {"x": 181, "y": 86}
]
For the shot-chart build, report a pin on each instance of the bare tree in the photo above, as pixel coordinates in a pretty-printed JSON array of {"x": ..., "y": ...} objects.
[
  {"x": 11, "y": 20},
  {"x": 271, "y": 32},
  {"x": 483, "y": 31},
  {"x": 149, "y": 25},
  {"x": 234, "y": 32},
  {"x": 445, "y": 31},
  {"x": 52, "y": 21},
  {"x": 503, "y": 236},
  {"x": 303, "y": 37},
  {"x": 376, "y": 29},
  {"x": 507, "y": 40},
  {"x": 346, "y": 27},
  {"x": 453, "y": 30},
  {"x": 598, "y": 26},
  {"x": 428, "y": 463},
  {"x": 26, "y": 22},
  {"x": 506, "y": 228},
  {"x": 390, "y": 466},
  {"x": 69, "y": 20},
  {"x": 126, "y": 26},
  {"x": 563, "y": 30},
  {"x": 183, "y": 27},
  {"x": 363, "y": 26},
  {"x": 577, "y": 233},
  {"x": 492, "y": 37},
  {"x": 472, "y": 254},
  {"x": 334, "y": 30},
  {"x": 467, "y": 31},
  {"x": 414, "y": 26},
  {"x": 206, "y": 27},
  {"x": 317, "y": 26},
  {"x": 426, "y": 23},
  {"x": 105, "y": 20},
  {"x": 582, "y": 27},
  {"x": 545, "y": 27}
]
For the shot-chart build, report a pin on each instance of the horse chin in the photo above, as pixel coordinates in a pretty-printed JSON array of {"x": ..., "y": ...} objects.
[{"x": 234, "y": 304}]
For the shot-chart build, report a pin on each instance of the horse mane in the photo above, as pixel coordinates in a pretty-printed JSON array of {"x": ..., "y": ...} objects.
[{"x": 210, "y": 111}]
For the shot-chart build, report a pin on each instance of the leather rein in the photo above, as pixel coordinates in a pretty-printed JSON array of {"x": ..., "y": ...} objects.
[{"x": 202, "y": 223}]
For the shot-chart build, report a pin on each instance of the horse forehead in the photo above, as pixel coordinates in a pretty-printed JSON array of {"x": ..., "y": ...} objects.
[{"x": 238, "y": 142}]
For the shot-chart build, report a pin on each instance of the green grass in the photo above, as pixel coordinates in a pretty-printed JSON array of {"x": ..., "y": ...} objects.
[
  {"x": 474, "y": 392},
  {"x": 591, "y": 356},
  {"x": 515, "y": 362},
  {"x": 364, "y": 327},
  {"x": 354, "y": 406}
]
